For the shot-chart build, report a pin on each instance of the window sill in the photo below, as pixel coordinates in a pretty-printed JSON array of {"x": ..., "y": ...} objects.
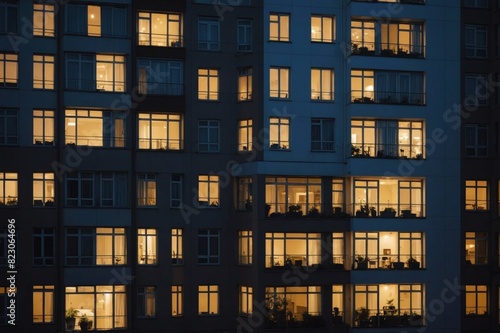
[
  {"x": 323, "y": 42},
  {"x": 317, "y": 100}
]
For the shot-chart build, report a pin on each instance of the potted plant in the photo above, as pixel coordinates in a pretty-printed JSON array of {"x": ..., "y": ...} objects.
[
  {"x": 85, "y": 323},
  {"x": 362, "y": 316},
  {"x": 268, "y": 209},
  {"x": 413, "y": 263},
  {"x": 363, "y": 211},
  {"x": 362, "y": 262},
  {"x": 70, "y": 318},
  {"x": 11, "y": 201},
  {"x": 313, "y": 212},
  {"x": 416, "y": 319},
  {"x": 398, "y": 265},
  {"x": 388, "y": 212},
  {"x": 49, "y": 203},
  {"x": 294, "y": 211},
  {"x": 373, "y": 212}
]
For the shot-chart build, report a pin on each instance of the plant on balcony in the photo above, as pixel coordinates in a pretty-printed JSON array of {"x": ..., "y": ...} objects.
[
  {"x": 413, "y": 263},
  {"x": 337, "y": 319},
  {"x": 49, "y": 203},
  {"x": 11, "y": 201},
  {"x": 415, "y": 319},
  {"x": 294, "y": 211},
  {"x": 70, "y": 318},
  {"x": 362, "y": 262},
  {"x": 268, "y": 209},
  {"x": 388, "y": 212},
  {"x": 312, "y": 321},
  {"x": 363, "y": 211},
  {"x": 373, "y": 212},
  {"x": 85, "y": 323},
  {"x": 419, "y": 156},
  {"x": 362, "y": 317},
  {"x": 276, "y": 311},
  {"x": 313, "y": 212}
]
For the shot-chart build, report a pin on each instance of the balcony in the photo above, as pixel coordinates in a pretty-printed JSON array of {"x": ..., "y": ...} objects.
[
  {"x": 388, "y": 210},
  {"x": 388, "y": 50},
  {"x": 387, "y": 151},
  {"x": 387, "y": 97},
  {"x": 415, "y": 2},
  {"x": 388, "y": 261}
]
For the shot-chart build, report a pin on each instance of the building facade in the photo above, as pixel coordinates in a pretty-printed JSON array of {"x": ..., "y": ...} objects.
[{"x": 298, "y": 161}]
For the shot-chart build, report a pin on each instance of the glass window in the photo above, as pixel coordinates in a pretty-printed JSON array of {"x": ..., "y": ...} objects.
[
  {"x": 322, "y": 29},
  {"x": 146, "y": 302},
  {"x": 43, "y": 189},
  {"x": 322, "y": 136},
  {"x": 338, "y": 305},
  {"x": 8, "y": 189},
  {"x": 476, "y": 300},
  {"x": 208, "y": 246},
  {"x": 476, "y": 89},
  {"x": 43, "y": 20},
  {"x": 176, "y": 186},
  {"x": 293, "y": 196},
  {"x": 110, "y": 72},
  {"x": 177, "y": 301},
  {"x": 476, "y": 3},
  {"x": 279, "y": 81},
  {"x": 111, "y": 190},
  {"x": 363, "y": 37},
  {"x": 43, "y": 304},
  {"x": 338, "y": 250},
  {"x": 208, "y": 135},
  {"x": 208, "y": 34},
  {"x": 161, "y": 77},
  {"x": 246, "y": 300},
  {"x": 293, "y": 249},
  {"x": 245, "y": 247},
  {"x": 44, "y": 246},
  {"x": 322, "y": 84},
  {"x": 177, "y": 252},
  {"x": 8, "y": 16},
  {"x": 279, "y": 133},
  {"x": 338, "y": 196},
  {"x": 244, "y": 41},
  {"x": 43, "y": 127},
  {"x": 146, "y": 189},
  {"x": 245, "y": 196},
  {"x": 160, "y": 29},
  {"x": 105, "y": 305},
  {"x": 208, "y": 84},
  {"x": 476, "y": 140},
  {"x": 208, "y": 300},
  {"x": 476, "y": 248},
  {"x": 9, "y": 127},
  {"x": 208, "y": 191},
  {"x": 96, "y": 20},
  {"x": 147, "y": 246},
  {"x": 8, "y": 69},
  {"x": 295, "y": 301},
  {"x": 476, "y": 41},
  {"x": 476, "y": 195},
  {"x": 279, "y": 27},
  {"x": 245, "y": 135},
  {"x": 160, "y": 131},
  {"x": 245, "y": 84}
]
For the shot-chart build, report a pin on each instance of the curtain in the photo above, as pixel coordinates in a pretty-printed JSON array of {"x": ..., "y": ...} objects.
[
  {"x": 120, "y": 190},
  {"x": 107, "y": 21},
  {"x": 416, "y": 38},
  {"x": 119, "y": 22},
  {"x": 87, "y": 69},
  {"x": 417, "y": 89},
  {"x": 76, "y": 19}
]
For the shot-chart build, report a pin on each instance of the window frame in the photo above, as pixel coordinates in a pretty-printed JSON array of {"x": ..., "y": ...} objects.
[
  {"x": 177, "y": 245},
  {"x": 10, "y": 64},
  {"x": 164, "y": 40},
  {"x": 45, "y": 180},
  {"x": 12, "y": 179},
  {"x": 210, "y": 291},
  {"x": 323, "y": 143},
  {"x": 477, "y": 185},
  {"x": 245, "y": 241},
  {"x": 147, "y": 246},
  {"x": 46, "y": 18},
  {"x": 205, "y": 42},
  {"x": 205, "y": 255},
  {"x": 245, "y": 80},
  {"x": 326, "y": 91},
  {"x": 473, "y": 49},
  {"x": 46, "y": 237},
  {"x": 473, "y": 148},
  {"x": 280, "y": 140},
  {"x": 47, "y": 296},
  {"x": 177, "y": 300},
  {"x": 322, "y": 38},
  {"x": 46, "y": 118},
  {"x": 9, "y": 134},
  {"x": 148, "y": 138},
  {"x": 244, "y": 35},
  {"x": 164, "y": 77},
  {"x": 281, "y": 22},
  {"x": 147, "y": 178},
  {"x": 478, "y": 241},
  {"x": 208, "y": 142},
  {"x": 245, "y": 135},
  {"x": 476, "y": 290},
  {"x": 208, "y": 77},
  {"x": 146, "y": 302},
  {"x": 281, "y": 75},
  {"x": 176, "y": 191}
]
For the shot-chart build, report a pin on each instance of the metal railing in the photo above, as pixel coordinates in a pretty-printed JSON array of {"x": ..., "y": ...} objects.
[
  {"x": 162, "y": 144},
  {"x": 392, "y": 261},
  {"x": 386, "y": 150},
  {"x": 160, "y": 88},
  {"x": 400, "y": 50},
  {"x": 387, "y": 97},
  {"x": 388, "y": 210}
]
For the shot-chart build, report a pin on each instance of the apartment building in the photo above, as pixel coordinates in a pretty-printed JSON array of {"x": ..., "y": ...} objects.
[{"x": 295, "y": 160}]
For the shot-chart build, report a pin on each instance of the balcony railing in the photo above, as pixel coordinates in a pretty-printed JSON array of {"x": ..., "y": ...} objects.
[
  {"x": 163, "y": 40},
  {"x": 393, "y": 261},
  {"x": 161, "y": 88},
  {"x": 162, "y": 144},
  {"x": 295, "y": 260},
  {"x": 384, "y": 150},
  {"x": 416, "y": 2},
  {"x": 388, "y": 316},
  {"x": 96, "y": 141},
  {"x": 388, "y": 49},
  {"x": 388, "y": 210},
  {"x": 387, "y": 97}
]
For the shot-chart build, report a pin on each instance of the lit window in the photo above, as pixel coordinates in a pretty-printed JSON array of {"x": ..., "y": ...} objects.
[
  {"x": 245, "y": 84},
  {"x": 43, "y": 304},
  {"x": 338, "y": 250},
  {"x": 293, "y": 196},
  {"x": 476, "y": 300},
  {"x": 160, "y": 29},
  {"x": 244, "y": 35},
  {"x": 96, "y": 20},
  {"x": 245, "y": 247},
  {"x": 387, "y": 87},
  {"x": 370, "y": 299},
  {"x": 476, "y": 248},
  {"x": 8, "y": 126},
  {"x": 176, "y": 191},
  {"x": 322, "y": 138},
  {"x": 245, "y": 193},
  {"x": 43, "y": 189},
  {"x": 146, "y": 302},
  {"x": 387, "y": 138},
  {"x": 147, "y": 246},
  {"x": 95, "y": 128},
  {"x": 161, "y": 77},
  {"x": 8, "y": 16},
  {"x": 322, "y": 84},
  {"x": 245, "y": 135},
  {"x": 476, "y": 195},
  {"x": 146, "y": 189},
  {"x": 8, "y": 69},
  {"x": 177, "y": 301},
  {"x": 338, "y": 305},
  {"x": 110, "y": 72},
  {"x": 208, "y": 246},
  {"x": 208, "y": 300},
  {"x": 388, "y": 198},
  {"x": 208, "y": 135},
  {"x": 297, "y": 249},
  {"x": 476, "y": 89},
  {"x": 43, "y": 72},
  {"x": 208, "y": 84},
  {"x": 296, "y": 301},
  {"x": 476, "y": 140},
  {"x": 43, "y": 20},
  {"x": 279, "y": 27},
  {"x": 177, "y": 256},
  {"x": 363, "y": 37},
  {"x": 393, "y": 250},
  {"x": 209, "y": 34},
  {"x": 476, "y": 41},
  {"x": 44, "y": 246},
  {"x": 279, "y": 133},
  {"x": 338, "y": 197},
  {"x": 279, "y": 81},
  {"x": 322, "y": 29},
  {"x": 85, "y": 299},
  {"x": 8, "y": 189},
  {"x": 43, "y": 127},
  {"x": 112, "y": 190},
  {"x": 160, "y": 131},
  {"x": 208, "y": 191},
  {"x": 246, "y": 300}
]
